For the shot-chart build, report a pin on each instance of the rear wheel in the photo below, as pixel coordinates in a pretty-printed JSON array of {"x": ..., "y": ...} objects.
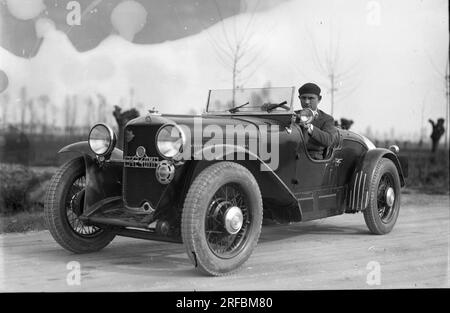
[
  {"x": 222, "y": 217},
  {"x": 384, "y": 198},
  {"x": 64, "y": 204}
]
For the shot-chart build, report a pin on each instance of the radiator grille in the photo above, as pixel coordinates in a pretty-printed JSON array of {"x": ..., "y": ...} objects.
[{"x": 140, "y": 183}]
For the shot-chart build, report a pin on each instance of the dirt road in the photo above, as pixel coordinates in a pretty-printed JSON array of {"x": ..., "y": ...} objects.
[{"x": 333, "y": 253}]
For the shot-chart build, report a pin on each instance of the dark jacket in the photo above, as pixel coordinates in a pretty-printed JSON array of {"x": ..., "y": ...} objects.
[{"x": 324, "y": 134}]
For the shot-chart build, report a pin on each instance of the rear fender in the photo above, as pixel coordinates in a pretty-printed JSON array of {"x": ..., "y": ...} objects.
[{"x": 358, "y": 195}]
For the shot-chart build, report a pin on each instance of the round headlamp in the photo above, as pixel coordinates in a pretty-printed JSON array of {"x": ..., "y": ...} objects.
[
  {"x": 102, "y": 139},
  {"x": 170, "y": 141},
  {"x": 306, "y": 115}
]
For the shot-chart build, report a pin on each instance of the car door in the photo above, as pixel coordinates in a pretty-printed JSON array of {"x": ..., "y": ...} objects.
[{"x": 317, "y": 187}]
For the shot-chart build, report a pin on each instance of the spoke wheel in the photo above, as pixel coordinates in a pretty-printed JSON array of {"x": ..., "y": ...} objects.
[
  {"x": 74, "y": 208},
  {"x": 384, "y": 198},
  {"x": 64, "y": 204},
  {"x": 221, "y": 218}
]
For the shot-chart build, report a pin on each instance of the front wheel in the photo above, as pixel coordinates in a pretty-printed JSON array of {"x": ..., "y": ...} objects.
[
  {"x": 384, "y": 198},
  {"x": 222, "y": 217},
  {"x": 64, "y": 204}
]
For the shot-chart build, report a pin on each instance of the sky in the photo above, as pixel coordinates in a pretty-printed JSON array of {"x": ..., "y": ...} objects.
[{"x": 388, "y": 56}]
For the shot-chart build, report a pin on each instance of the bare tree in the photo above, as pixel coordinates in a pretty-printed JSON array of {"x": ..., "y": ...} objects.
[
  {"x": 54, "y": 117},
  {"x": 44, "y": 101},
  {"x": 23, "y": 107},
  {"x": 70, "y": 110},
  {"x": 74, "y": 111},
  {"x": 33, "y": 120},
  {"x": 66, "y": 114},
  {"x": 101, "y": 107},
  {"x": 90, "y": 109},
  {"x": 338, "y": 75},
  {"x": 5, "y": 105},
  {"x": 236, "y": 48},
  {"x": 26, "y": 106}
]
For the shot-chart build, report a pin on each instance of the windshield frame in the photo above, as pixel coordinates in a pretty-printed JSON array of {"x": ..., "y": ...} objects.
[{"x": 274, "y": 112}]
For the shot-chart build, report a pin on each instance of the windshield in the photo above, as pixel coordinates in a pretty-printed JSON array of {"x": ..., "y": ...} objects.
[{"x": 251, "y": 100}]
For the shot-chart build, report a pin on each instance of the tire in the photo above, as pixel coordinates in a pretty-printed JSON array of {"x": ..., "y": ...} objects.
[
  {"x": 214, "y": 246},
  {"x": 382, "y": 213},
  {"x": 63, "y": 203}
]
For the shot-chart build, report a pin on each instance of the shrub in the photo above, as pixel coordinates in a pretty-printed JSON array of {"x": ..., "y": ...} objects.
[
  {"x": 20, "y": 188},
  {"x": 428, "y": 172}
]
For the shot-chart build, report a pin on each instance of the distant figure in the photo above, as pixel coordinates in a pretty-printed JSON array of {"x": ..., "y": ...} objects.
[
  {"x": 346, "y": 124},
  {"x": 122, "y": 118},
  {"x": 436, "y": 134}
]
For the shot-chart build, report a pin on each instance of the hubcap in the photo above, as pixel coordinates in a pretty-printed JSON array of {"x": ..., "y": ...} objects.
[
  {"x": 233, "y": 220},
  {"x": 228, "y": 221},
  {"x": 390, "y": 196},
  {"x": 386, "y": 198}
]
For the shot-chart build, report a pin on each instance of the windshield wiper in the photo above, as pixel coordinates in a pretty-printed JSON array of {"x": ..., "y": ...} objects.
[
  {"x": 235, "y": 109},
  {"x": 272, "y": 106}
]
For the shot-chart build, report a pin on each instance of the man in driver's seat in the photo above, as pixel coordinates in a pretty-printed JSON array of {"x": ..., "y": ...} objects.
[{"x": 321, "y": 132}]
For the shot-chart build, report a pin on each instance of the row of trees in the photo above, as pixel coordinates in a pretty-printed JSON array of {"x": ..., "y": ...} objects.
[{"x": 41, "y": 115}]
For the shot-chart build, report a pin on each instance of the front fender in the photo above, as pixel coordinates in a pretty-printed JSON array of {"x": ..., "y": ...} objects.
[
  {"x": 358, "y": 195},
  {"x": 265, "y": 176},
  {"x": 83, "y": 148},
  {"x": 103, "y": 181}
]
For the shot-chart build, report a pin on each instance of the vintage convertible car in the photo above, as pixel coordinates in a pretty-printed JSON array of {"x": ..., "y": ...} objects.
[{"x": 207, "y": 181}]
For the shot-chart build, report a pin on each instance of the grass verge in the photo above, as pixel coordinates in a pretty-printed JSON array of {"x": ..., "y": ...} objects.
[{"x": 22, "y": 222}]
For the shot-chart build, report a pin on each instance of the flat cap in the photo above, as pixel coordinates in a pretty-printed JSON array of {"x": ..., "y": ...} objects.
[{"x": 309, "y": 88}]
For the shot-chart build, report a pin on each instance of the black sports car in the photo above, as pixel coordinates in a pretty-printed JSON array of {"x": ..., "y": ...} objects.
[{"x": 207, "y": 181}]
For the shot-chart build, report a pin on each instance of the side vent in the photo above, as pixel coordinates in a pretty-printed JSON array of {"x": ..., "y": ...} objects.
[{"x": 358, "y": 196}]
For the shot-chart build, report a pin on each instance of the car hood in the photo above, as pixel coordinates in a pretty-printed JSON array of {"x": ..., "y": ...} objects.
[
  {"x": 200, "y": 122},
  {"x": 223, "y": 121}
]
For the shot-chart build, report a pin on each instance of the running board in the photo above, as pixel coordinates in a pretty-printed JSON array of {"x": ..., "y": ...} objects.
[
  {"x": 145, "y": 234},
  {"x": 114, "y": 221},
  {"x": 111, "y": 211}
]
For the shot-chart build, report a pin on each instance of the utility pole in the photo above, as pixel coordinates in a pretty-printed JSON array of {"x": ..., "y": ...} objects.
[
  {"x": 333, "y": 89},
  {"x": 447, "y": 95}
]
